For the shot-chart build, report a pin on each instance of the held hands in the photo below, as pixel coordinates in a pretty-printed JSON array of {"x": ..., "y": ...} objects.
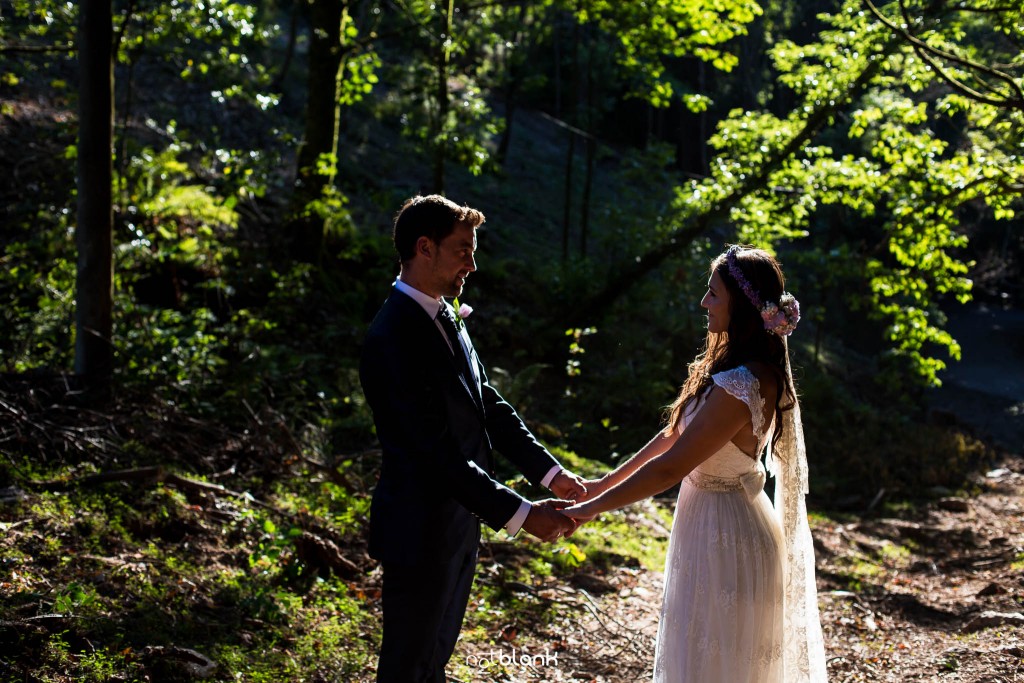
[
  {"x": 546, "y": 521},
  {"x": 581, "y": 512},
  {"x": 574, "y": 489},
  {"x": 550, "y": 520},
  {"x": 569, "y": 486}
]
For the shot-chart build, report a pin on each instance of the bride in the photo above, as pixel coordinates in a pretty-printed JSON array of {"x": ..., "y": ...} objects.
[{"x": 740, "y": 602}]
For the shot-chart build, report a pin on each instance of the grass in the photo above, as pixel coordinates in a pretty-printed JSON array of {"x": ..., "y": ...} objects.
[
  {"x": 895, "y": 556},
  {"x": 129, "y": 569},
  {"x": 1018, "y": 563},
  {"x": 634, "y": 533},
  {"x": 133, "y": 569}
]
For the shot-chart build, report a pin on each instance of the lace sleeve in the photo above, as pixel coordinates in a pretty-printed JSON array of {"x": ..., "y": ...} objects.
[{"x": 742, "y": 384}]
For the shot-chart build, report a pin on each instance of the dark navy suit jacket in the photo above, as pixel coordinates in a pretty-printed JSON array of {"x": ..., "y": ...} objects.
[{"x": 437, "y": 436}]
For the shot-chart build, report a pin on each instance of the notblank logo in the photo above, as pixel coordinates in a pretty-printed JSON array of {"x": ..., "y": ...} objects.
[{"x": 516, "y": 658}]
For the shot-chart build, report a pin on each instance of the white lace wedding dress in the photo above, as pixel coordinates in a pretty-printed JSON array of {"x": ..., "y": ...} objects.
[{"x": 730, "y": 613}]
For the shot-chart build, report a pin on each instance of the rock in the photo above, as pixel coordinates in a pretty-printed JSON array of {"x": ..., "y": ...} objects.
[
  {"x": 12, "y": 494},
  {"x": 592, "y": 584},
  {"x": 965, "y": 535},
  {"x": 323, "y": 556},
  {"x": 925, "y": 535},
  {"x": 174, "y": 663},
  {"x": 991, "y": 589},
  {"x": 954, "y": 505},
  {"x": 990, "y": 619},
  {"x": 924, "y": 566},
  {"x": 848, "y": 595}
]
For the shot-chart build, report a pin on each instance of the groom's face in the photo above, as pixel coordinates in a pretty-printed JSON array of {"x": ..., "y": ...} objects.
[{"x": 454, "y": 260}]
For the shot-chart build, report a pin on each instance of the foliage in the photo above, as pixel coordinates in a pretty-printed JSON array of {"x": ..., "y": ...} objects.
[
  {"x": 37, "y": 22},
  {"x": 463, "y": 130},
  {"x": 904, "y": 189},
  {"x": 208, "y": 41},
  {"x": 39, "y": 306},
  {"x": 136, "y": 576},
  {"x": 452, "y": 119},
  {"x": 650, "y": 35}
]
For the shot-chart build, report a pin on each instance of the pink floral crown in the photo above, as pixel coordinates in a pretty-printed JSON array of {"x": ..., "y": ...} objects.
[{"x": 779, "y": 318}]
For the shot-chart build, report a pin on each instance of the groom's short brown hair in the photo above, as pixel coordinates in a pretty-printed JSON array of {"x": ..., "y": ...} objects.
[{"x": 432, "y": 216}]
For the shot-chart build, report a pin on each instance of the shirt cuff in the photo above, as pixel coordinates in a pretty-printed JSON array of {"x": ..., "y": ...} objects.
[
  {"x": 518, "y": 519},
  {"x": 546, "y": 481},
  {"x": 516, "y": 523}
]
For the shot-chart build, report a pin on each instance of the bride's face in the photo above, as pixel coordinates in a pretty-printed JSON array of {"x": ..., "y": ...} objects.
[{"x": 716, "y": 302}]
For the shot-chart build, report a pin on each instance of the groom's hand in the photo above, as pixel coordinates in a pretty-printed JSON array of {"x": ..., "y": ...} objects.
[
  {"x": 546, "y": 522},
  {"x": 568, "y": 486}
]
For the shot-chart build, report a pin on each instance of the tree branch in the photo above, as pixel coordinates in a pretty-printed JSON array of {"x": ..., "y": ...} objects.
[
  {"x": 154, "y": 474},
  {"x": 119, "y": 35},
  {"x": 928, "y": 53},
  {"x": 593, "y": 309},
  {"x": 963, "y": 61}
]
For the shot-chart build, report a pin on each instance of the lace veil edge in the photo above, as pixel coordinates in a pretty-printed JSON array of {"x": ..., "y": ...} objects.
[{"x": 804, "y": 651}]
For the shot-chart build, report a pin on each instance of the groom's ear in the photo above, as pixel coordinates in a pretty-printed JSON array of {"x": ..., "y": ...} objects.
[{"x": 425, "y": 247}]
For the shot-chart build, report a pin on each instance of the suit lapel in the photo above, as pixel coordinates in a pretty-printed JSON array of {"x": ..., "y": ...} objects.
[
  {"x": 435, "y": 344},
  {"x": 475, "y": 375},
  {"x": 471, "y": 383}
]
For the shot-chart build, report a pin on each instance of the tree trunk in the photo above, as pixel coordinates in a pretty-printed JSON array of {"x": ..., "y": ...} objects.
[
  {"x": 289, "y": 53},
  {"x": 94, "y": 289},
  {"x": 692, "y": 130},
  {"x": 506, "y": 134},
  {"x": 443, "y": 104},
  {"x": 567, "y": 212},
  {"x": 591, "y": 149},
  {"x": 440, "y": 132},
  {"x": 514, "y": 73},
  {"x": 321, "y": 133},
  {"x": 588, "y": 183},
  {"x": 556, "y": 42},
  {"x": 571, "y": 152}
]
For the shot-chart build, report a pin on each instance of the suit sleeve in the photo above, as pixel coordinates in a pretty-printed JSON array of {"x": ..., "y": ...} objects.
[
  {"x": 416, "y": 426},
  {"x": 513, "y": 439}
]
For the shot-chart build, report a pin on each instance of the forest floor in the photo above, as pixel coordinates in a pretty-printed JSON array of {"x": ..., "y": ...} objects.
[
  {"x": 928, "y": 593},
  {"x": 169, "y": 578}
]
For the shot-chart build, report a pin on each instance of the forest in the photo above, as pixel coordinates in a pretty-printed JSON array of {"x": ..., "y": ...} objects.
[{"x": 196, "y": 215}]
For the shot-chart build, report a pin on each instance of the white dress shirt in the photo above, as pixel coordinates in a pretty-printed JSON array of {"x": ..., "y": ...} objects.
[{"x": 431, "y": 306}]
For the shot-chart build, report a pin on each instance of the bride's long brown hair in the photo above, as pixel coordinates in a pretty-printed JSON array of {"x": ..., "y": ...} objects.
[{"x": 745, "y": 340}]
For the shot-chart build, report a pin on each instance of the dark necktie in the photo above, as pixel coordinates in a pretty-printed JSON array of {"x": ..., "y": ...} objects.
[{"x": 447, "y": 320}]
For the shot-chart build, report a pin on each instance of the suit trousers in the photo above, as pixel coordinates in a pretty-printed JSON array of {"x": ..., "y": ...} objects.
[{"x": 424, "y": 605}]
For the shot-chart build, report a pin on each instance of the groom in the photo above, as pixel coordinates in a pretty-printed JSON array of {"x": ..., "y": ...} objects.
[{"x": 438, "y": 418}]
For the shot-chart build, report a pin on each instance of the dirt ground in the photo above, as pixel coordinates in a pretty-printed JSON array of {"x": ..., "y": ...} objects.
[{"x": 934, "y": 594}]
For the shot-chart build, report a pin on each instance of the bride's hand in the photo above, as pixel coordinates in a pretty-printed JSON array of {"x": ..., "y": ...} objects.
[
  {"x": 594, "y": 488},
  {"x": 581, "y": 512}
]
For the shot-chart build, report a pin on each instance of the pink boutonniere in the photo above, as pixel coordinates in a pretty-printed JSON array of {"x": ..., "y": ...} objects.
[{"x": 462, "y": 311}]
